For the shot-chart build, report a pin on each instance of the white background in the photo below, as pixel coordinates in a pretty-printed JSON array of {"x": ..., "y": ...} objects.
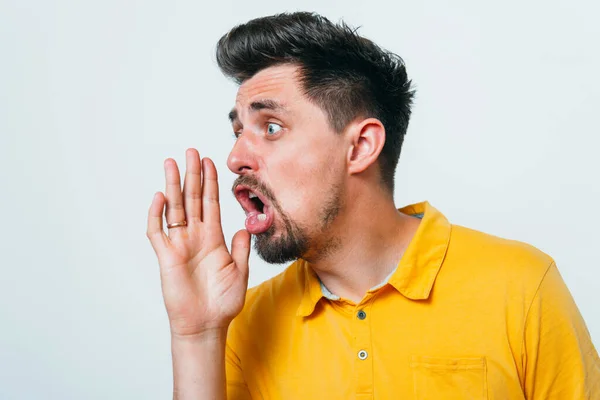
[{"x": 94, "y": 95}]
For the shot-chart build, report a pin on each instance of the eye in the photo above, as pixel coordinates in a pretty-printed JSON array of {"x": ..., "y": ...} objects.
[{"x": 273, "y": 128}]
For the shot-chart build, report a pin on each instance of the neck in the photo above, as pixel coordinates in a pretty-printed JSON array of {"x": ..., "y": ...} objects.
[{"x": 369, "y": 238}]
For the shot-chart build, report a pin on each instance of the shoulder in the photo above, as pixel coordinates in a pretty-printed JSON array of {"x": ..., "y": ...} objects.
[
  {"x": 282, "y": 291},
  {"x": 487, "y": 256},
  {"x": 273, "y": 299}
]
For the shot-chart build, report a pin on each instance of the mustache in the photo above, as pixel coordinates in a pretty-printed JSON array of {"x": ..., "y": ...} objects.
[{"x": 253, "y": 183}]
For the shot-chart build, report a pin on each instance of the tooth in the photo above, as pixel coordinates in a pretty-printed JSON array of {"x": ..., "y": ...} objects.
[
  {"x": 262, "y": 217},
  {"x": 252, "y": 195}
]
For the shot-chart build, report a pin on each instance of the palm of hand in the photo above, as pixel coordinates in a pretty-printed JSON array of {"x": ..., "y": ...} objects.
[{"x": 203, "y": 284}]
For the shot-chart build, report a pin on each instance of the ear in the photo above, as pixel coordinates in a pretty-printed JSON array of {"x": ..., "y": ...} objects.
[{"x": 367, "y": 139}]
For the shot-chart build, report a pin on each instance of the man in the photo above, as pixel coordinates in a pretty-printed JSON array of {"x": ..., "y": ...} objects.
[{"x": 379, "y": 303}]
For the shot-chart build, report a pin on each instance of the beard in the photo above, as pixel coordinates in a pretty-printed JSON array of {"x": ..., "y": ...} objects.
[
  {"x": 290, "y": 245},
  {"x": 295, "y": 241}
]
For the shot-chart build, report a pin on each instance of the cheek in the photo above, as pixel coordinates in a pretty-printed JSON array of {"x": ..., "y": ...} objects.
[
  {"x": 301, "y": 175},
  {"x": 315, "y": 162},
  {"x": 307, "y": 180}
]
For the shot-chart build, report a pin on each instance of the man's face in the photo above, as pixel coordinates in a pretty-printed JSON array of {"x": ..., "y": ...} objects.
[{"x": 291, "y": 167}]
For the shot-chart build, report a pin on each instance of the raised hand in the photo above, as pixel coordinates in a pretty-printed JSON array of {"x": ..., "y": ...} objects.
[{"x": 203, "y": 284}]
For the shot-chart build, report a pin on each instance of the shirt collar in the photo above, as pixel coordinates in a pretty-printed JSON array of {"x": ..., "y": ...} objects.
[
  {"x": 312, "y": 289},
  {"x": 414, "y": 275}
]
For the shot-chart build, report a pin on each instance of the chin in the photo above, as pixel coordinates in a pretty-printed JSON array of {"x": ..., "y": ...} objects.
[{"x": 278, "y": 247}]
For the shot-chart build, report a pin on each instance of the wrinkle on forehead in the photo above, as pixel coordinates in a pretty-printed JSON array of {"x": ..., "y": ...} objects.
[
  {"x": 281, "y": 84},
  {"x": 278, "y": 83}
]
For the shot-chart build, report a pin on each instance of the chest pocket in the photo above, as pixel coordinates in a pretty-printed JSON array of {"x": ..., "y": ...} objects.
[{"x": 438, "y": 378}]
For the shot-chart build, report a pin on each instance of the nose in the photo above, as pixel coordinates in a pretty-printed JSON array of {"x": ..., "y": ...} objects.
[{"x": 242, "y": 158}]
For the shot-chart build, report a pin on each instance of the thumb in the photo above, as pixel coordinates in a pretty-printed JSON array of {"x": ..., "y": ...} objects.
[{"x": 240, "y": 250}]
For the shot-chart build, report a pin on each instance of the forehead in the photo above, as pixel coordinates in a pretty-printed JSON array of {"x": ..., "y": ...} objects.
[{"x": 278, "y": 83}]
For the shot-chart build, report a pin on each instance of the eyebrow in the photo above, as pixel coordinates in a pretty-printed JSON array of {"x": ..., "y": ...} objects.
[{"x": 266, "y": 104}]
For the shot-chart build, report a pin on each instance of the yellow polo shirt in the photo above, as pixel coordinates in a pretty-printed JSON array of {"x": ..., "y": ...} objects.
[{"x": 465, "y": 315}]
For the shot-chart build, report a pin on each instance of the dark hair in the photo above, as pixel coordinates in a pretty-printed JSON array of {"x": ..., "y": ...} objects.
[{"x": 345, "y": 74}]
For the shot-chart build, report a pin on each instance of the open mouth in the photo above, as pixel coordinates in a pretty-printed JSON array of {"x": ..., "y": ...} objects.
[
  {"x": 250, "y": 200},
  {"x": 260, "y": 206},
  {"x": 259, "y": 215}
]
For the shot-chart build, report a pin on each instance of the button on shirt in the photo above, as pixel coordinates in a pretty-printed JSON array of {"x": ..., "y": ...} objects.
[{"x": 463, "y": 315}]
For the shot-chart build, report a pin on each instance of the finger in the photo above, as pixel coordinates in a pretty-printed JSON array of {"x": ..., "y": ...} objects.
[
  {"x": 175, "y": 211},
  {"x": 240, "y": 251},
  {"x": 192, "y": 189},
  {"x": 155, "y": 231},
  {"x": 211, "y": 211}
]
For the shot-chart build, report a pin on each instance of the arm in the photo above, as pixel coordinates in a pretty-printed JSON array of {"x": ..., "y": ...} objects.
[
  {"x": 559, "y": 359},
  {"x": 199, "y": 366}
]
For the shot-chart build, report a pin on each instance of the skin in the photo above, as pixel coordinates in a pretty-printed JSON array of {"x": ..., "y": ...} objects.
[{"x": 324, "y": 184}]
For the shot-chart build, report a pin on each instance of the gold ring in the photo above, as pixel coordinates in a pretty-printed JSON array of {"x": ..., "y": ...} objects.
[{"x": 176, "y": 224}]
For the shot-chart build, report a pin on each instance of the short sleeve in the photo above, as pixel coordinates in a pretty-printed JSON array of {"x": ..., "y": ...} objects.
[
  {"x": 559, "y": 358},
  {"x": 236, "y": 385}
]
